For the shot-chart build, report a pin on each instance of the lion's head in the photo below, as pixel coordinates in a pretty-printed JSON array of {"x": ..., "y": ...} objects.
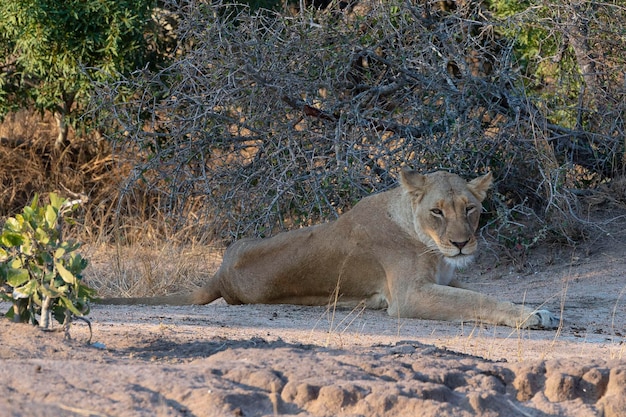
[{"x": 446, "y": 210}]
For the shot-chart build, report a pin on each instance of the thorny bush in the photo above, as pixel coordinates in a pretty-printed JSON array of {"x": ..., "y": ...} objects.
[{"x": 265, "y": 121}]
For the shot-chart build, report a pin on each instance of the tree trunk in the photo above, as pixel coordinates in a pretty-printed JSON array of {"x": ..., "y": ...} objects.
[
  {"x": 46, "y": 314},
  {"x": 61, "y": 141}
]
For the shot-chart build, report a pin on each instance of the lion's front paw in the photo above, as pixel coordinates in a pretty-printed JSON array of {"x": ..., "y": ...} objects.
[{"x": 542, "y": 319}]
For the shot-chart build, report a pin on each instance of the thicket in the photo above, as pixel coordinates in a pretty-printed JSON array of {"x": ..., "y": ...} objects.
[
  {"x": 264, "y": 120},
  {"x": 51, "y": 51}
]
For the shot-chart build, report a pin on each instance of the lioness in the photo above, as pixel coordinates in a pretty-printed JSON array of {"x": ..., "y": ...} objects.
[{"x": 396, "y": 250}]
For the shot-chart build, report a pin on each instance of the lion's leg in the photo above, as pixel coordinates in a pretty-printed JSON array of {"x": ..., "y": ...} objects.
[
  {"x": 208, "y": 293},
  {"x": 440, "y": 302}
]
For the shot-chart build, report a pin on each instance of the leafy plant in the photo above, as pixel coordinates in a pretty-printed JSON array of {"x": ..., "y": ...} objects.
[
  {"x": 51, "y": 50},
  {"x": 40, "y": 272}
]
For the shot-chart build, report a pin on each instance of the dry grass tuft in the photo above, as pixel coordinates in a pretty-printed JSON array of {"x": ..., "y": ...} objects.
[
  {"x": 141, "y": 271},
  {"x": 32, "y": 166},
  {"x": 89, "y": 166},
  {"x": 132, "y": 248}
]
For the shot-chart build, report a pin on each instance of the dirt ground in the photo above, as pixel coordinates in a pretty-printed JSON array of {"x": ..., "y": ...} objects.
[{"x": 257, "y": 360}]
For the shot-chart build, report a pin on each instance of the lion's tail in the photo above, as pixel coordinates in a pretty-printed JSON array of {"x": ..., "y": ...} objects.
[{"x": 200, "y": 296}]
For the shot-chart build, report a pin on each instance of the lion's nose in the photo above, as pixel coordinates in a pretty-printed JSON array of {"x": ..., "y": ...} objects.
[{"x": 460, "y": 245}]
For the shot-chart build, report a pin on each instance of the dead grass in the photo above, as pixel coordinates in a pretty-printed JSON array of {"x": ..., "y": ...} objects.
[
  {"x": 157, "y": 269},
  {"x": 32, "y": 166},
  {"x": 88, "y": 166}
]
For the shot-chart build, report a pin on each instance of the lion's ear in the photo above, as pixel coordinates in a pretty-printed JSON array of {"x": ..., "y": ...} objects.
[
  {"x": 479, "y": 186},
  {"x": 413, "y": 182}
]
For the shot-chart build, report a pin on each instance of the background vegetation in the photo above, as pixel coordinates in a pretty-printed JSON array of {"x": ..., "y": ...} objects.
[
  {"x": 239, "y": 121},
  {"x": 53, "y": 50}
]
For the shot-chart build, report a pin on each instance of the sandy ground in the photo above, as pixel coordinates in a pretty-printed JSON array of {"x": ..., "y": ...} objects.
[{"x": 256, "y": 360}]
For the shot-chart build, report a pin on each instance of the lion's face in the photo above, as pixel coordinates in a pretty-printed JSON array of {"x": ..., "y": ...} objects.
[{"x": 446, "y": 210}]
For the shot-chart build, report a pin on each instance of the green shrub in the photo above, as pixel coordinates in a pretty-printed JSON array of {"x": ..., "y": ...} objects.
[{"x": 40, "y": 272}]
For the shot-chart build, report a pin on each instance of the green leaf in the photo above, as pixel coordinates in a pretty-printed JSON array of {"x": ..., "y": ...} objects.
[
  {"x": 44, "y": 258},
  {"x": 51, "y": 215},
  {"x": 29, "y": 289},
  {"x": 12, "y": 239},
  {"x": 70, "y": 246},
  {"x": 70, "y": 306},
  {"x": 85, "y": 293},
  {"x": 28, "y": 213},
  {"x": 58, "y": 254},
  {"x": 55, "y": 202},
  {"x": 15, "y": 263},
  {"x": 65, "y": 274},
  {"x": 76, "y": 264},
  {"x": 42, "y": 236},
  {"x": 27, "y": 246},
  {"x": 50, "y": 292},
  {"x": 82, "y": 305},
  {"x": 34, "y": 203},
  {"x": 17, "y": 277},
  {"x": 12, "y": 224},
  {"x": 36, "y": 298}
]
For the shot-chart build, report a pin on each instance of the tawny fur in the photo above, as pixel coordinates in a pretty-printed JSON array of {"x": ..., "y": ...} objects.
[{"x": 395, "y": 250}]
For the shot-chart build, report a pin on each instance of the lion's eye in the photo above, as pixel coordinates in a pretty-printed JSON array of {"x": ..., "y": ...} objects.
[
  {"x": 470, "y": 209},
  {"x": 436, "y": 212}
]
